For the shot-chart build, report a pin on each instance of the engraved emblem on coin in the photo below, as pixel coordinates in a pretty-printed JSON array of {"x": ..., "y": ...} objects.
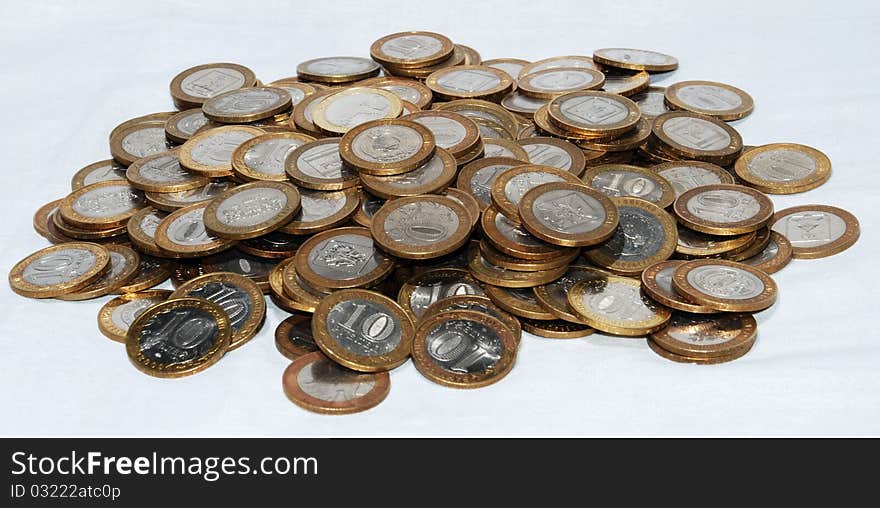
[
  {"x": 548, "y": 155},
  {"x": 481, "y": 182},
  {"x": 651, "y": 103},
  {"x": 622, "y": 302},
  {"x": 234, "y": 301},
  {"x": 207, "y": 83},
  {"x": 217, "y": 149},
  {"x": 344, "y": 257},
  {"x": 325, "y": 380},
  {"x": 189, "y": 124},
  {"x": 626, "y": 183},
  {"x": 464, "y": 346},
  {"x": 516, "y": 233},
  {"x": 165, "y": 169},
  {"x": 268, "y": 156},
  {"x": 363, "y": 327},
  {"x": 247, "y": 100},
  {"x": 782, "y": 165},
  {"x": 708, "y": 97},
  {"x": 724, "y": 206},
  {"x": 421, "y": 223},
  {"x": 571, "y": 212},
  {"x": 595, "y": 110},
  {"x": 522, "y": 183},
  {"x": 638, "y": 236},
  {"x": 412, "y": 46},
  {"x": 316, "y": 206},
  {"x": 387, "y": 143},
  {"x": 352, "y": 110},
  {"x": 323, "y": 161},
  {"x": 725, "y": 282},
  {"x": 58, "y": 267},
  {"x": 108, "y": 201},
  {"x": 146, "y": 141},
  {"x": 447, "y": 132},
  {"x": 469, "y": 80},
  {"x": 696, "y": 133},
  {"x": 189, "y": 229},
  {"x": 685, "y": 178},
  {"x": 811, "y": 229},
  {"x": 251, "y": 207},
  {"x": 424, "y": 295},
  {"x": 178, "y": 335}
]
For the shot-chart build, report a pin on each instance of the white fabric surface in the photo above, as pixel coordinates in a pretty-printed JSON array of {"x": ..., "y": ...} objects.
[{"x": 74, "y": 70}]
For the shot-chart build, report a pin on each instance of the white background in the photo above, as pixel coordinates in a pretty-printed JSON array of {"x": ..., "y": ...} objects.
[{"x": 73, "y": 70}]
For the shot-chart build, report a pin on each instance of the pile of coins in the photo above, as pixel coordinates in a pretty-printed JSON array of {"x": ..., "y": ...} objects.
[{"x": 432, "y": 213}]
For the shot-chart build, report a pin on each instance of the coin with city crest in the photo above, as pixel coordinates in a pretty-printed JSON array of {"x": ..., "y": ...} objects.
[
  {"x": 623, "y": 180},
  {"x": 421, "y": 227},
  {"x": 520, "y": 302},
  {"x": 568, "y": 214},
  {"x": 342, "y": 258},
  {"x": 657, "y": 283},
  {"x": 422, "y": 290},
  {"x": 410, "y": 90},
  {"x": 723, "y": 209},
  {"x": 645, "y": 235},
  {"x": 554, "y": 152},
  {"x": 124, "y": 264},
  {"x": 252, "y": 210},
  {"x": 463, "y": 349},
  {"x": 469, "y": 82},
  {"x": 725, "y": 286},
  {"x": 209, "y": 153},
  {"x": 593, "y": 113},
  {"x": 317, "y": 165},
  {"x": 783, "y": 168},
  {"x": 411, "y": 49},
  {"x": 477, "y": 177},
  {"x": 182, "y": 234},
  {"x": 363, "y": 330},
  {"x": 178, "y": 337},
  {"x": 433, "y": 176},
  {"x": 775, "y": 255},
  {"x": 95, "y": 172},
  {"x": 116, "y": 316},
  {"x": 161, "y": 172},
  {"x": 686, "y": 175},
  {"x": 616, "y": 305},
  {"x": 338, "y": 113},
  {"x": 550, "y": 83},
  {"x": 320, "y": 385},
  {"x": 140, "y": 139},
  {"x": 387, "y": 147},
  {"x": 303, "y": 118},
  {"x": 635, "y": 59},
  {"x": 337, "y": 69},
  {"x": 693, "y": 136},
  {"x": 709, "y": 98},
  {"x": 816, "y": 231},
  {"x": 101, "y": 206},
  {"x": 454, "y": 132},
  {"x": 510, "y": 186},
  {"x": 237, "y": 295},
  {"x": 170, "y": 201},
  {"x": 477, "y": 303},
  {"x": 322, "y": 210},
  {"x": 59, "y": 269},
  {"x": 293, "y": 337},
  {"x": 263, "y": 157},
  {"x": 706, "y": 337},
  {"x": 184, "y": 124},
  {"x": 191, "y": 87}
]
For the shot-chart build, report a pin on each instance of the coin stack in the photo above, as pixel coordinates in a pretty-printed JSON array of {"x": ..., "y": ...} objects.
[{"x": 433, "y": 213}]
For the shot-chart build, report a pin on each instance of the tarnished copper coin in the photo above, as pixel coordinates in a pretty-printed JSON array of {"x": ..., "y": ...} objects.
[
  {"x": 252, "y": 210},
  {"x": 724, "y": 285},
  {"x": 342, "y": 258},
  {"x": 318, "y": 384},
  {"x": 816, "y": 231},
  {"x": 568, "y": 214},
  {"x": 723, "y": 209}
]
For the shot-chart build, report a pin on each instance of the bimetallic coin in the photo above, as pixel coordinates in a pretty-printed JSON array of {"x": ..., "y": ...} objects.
[
  {"x": 693, "y": 244},
  {"x": 514, "y": 240},
  {"x": 456, "y": 133},
  {"x": 421, "y": 227},
  {"x": 522, "y": 104},
  {"x": 457, "y": 58},
  {"x": 322, "y": 210},
  {"x": 723, "y": 209},
  {"x": 616, "y": 305},
  {"x": 509, "y": 187},
  {"x": 568, "y": 214},
  {"x": 297, "y": 90},
  {"x": 500, "y": 259},
  {"x": 512, "y": 66},
  {"x": 342, "y": 258},
  {"x": 251, "y": 210},
  {"x": 471, "y": 56},
  {"x": 100, "y": 171},
  {"x": 469, "y": 82},
  {"x": 101, "y": 206},
  {"x": 687, "y": 175},
  {"x": 170, "y": 201},
  {"x": 317, "y": 165},
  {"x": 255, "y": 268},
  {"x": 139, "y": 140},
  {"x": 345, "y": 110},
  {"x": 646, "y": 234},
  {"x": 618, "y": 146},
  {"x": 477, "y": 304},
  {"x": 124, "y": 264},
  {"x": 192, "y": 87},
  {"x": 56, "y": 226},
  {"x": 816, "y": 231},
  {"x": 182, "y": 233},
  {"x": 424, "y": 289},
  {"x": 486, "y": 272},
  {"x": 59, "y": 269},
  {"x": 553, "y": 296},
  {"x": 556, "y": 329},
  {"x": 721, "y": 335},
  {"x": 717, "y": 100},
  {"x": 263, "y": 157},
  {"x": 363, "y": 330},
  {"x": 141, "y": 230},
  {"x": 411, "y": 49},
  {"x": 635, "y": 59},
  {"x": 593, "y": 113},
  {"x": 209, "y": 152},
  {"x": 550, "y": 83},
  {"x": 293, "y": 337},
  {"x": 783, "y": 168},
  {"x": 477, "y": 177},
  {"x": 692, "y": 136},
  {"x": 698, "y": 360},
  {"x": 492, "y": 120},
  {"x": 337, "y": 69},
  {"x": 178, "y": 337},
  {"x": 520, "y": 302},
  {"x": 368, "y": 205},
  {"x": 554, "y": 152},
  {"x": 161, "y": 172},
  {"x": 238, "y": 296},
  {"x": 657, "y": 283},
  {"x": 504, "y": 148},
  {"x": 41, "y": 221},
  {"x": 300, "y": 300},
  {"x": 275, "y": 245},
  {"x": 387, "y": 147},
  {"x": 303, "y": 113},
  {"x": 409, "y": 90},
  {"x": 116, "y": 316},
  {"x": 762, "y": 238},
  {"x": 151, "y": 272},
  {"x": 430, "y": 177},
  {"x": 626, "y": 83},
  {"x": 463, "y": 349},
  {"x": 577, "y": 61},
  {"x": 318, "y": 384},
  {"x": 184, "y": 124},
  {"x": 247, "y": 104},
  {"x": 724, "y": 285},
  {"x": 774, "y": 257},
  {"x": 651, "y": 102},
  {"x": 622, "y": 180}
]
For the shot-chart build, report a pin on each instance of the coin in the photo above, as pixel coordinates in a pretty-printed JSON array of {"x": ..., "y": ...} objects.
[
  {"x": 124, "y": 264},
  {"x": 337, "y": 69},
  {"x": 615, "y": 305},
  {"x": 247, "y": 104},
  {"x": 720, "y": 335},
  {"x": 469, "y": 202},
  {"x": 316, "y": 383},
  {"x": 783, "y": 168},
  {"x": 411, "y": 49},
  {"x": 512, "y": 66},
  {"x": 457, "y": 58},
  {"x": 695, "y": 244},
  {"x": 469, "y": 82},
  {"x": 170, "y": 201},
  {"x": 500, "y": 259},
  {"x": 238, "y": 296},
  {"x": 102, "y": 205},
  {"x": 57, "y": 227},
  {"x": 553, "y": 296},
  {"x": 477, "y": 177},
  {"x": 622, "y": 180},
  {"x": 697, "y": 137},
  {"x": 255, "y": 268},
  {"x": 520, "y": 302},
  {"x": 554, "y": 152},
  {"x": 317, "y": 165},
  {"x": 116, "y": 316},
  {"x": 686, "y": 175},
  {"x": 625, "y": 142},
  {"x": 635, "y": 59},
  {"x": 41, "y": 219},
  {"x": 178, "y": 337},
  {"x": 723, "y": 209},
  {"x": 625, "y": 83},
  {"x": 432, "y": 176},
  {"x": 424, "y": 289},
  {"x": 471, "y": 56},
  {"x": 161, "y": 172},
  {"x": 724, "y": 285},
  {"x": 593, "y": 113},
  {"x": 504, "y": 148},
  {"x": 514, "y": 240},
  {"x": 322, "y": 210},
  {"x": 146, "y": 120},
  {"x": 816, "y": 231},
  {"x": 709, "y": 98},
  {"x": 298, "y": 91},
  {"x": 182, "y": 233},
  {"x": 345, "y": 110},
  {"x": 456, "y": 133},
  {"x": 409, "y": 90},
  {"x": 421, "y": 227},
  {"x": 651, "y": 102},
  {"x": 509, "y": 187},
  {"x": 775, "y": 255},
  {"x": 184, "y": 124},
  {"x": 139, "y": 140},
  {"x": 95, "y": 172},
  {"x": 492, "y": 120},
  {"x": 477, "y": 304},
  {"x": 275, "y": 245},
  {"x": 550, "y": 83},
  {"x": 263, "y": 157},
  {"x": 363, "y": 330},
  {"x": 342, "y": 258},
  {"x": 59, "y": 269},
  {"x": 522, "y": 104},
  {"x": 463, "y": 349},
  {"x": 568, "y": 214},
  {"x": 657, "y": 283},
  {"x": 556, "y": 329},
  {"x": 645, "y": 235},
  {"x": 387, "y": 147},
  {"x": 141, "y": 230},
  {"x": 151, "y": 272},
  {"x": 293, "y": 337},
  {"x": 191, "y": 87},
  {"x": 699, "y": 360},
  {"x": 486, "y": 272},
  {"x": 303, "y": 113},
  {"x": 762, "y": 238},
  {"x": 209, "y": 152},
  {"x": 251, "y": 210},
  {"x": 577, "y": 61},
  {"x": 280, "y": 296}
]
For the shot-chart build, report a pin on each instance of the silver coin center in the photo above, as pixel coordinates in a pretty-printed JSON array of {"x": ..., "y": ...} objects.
[{"x": 725, "y": 282}]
